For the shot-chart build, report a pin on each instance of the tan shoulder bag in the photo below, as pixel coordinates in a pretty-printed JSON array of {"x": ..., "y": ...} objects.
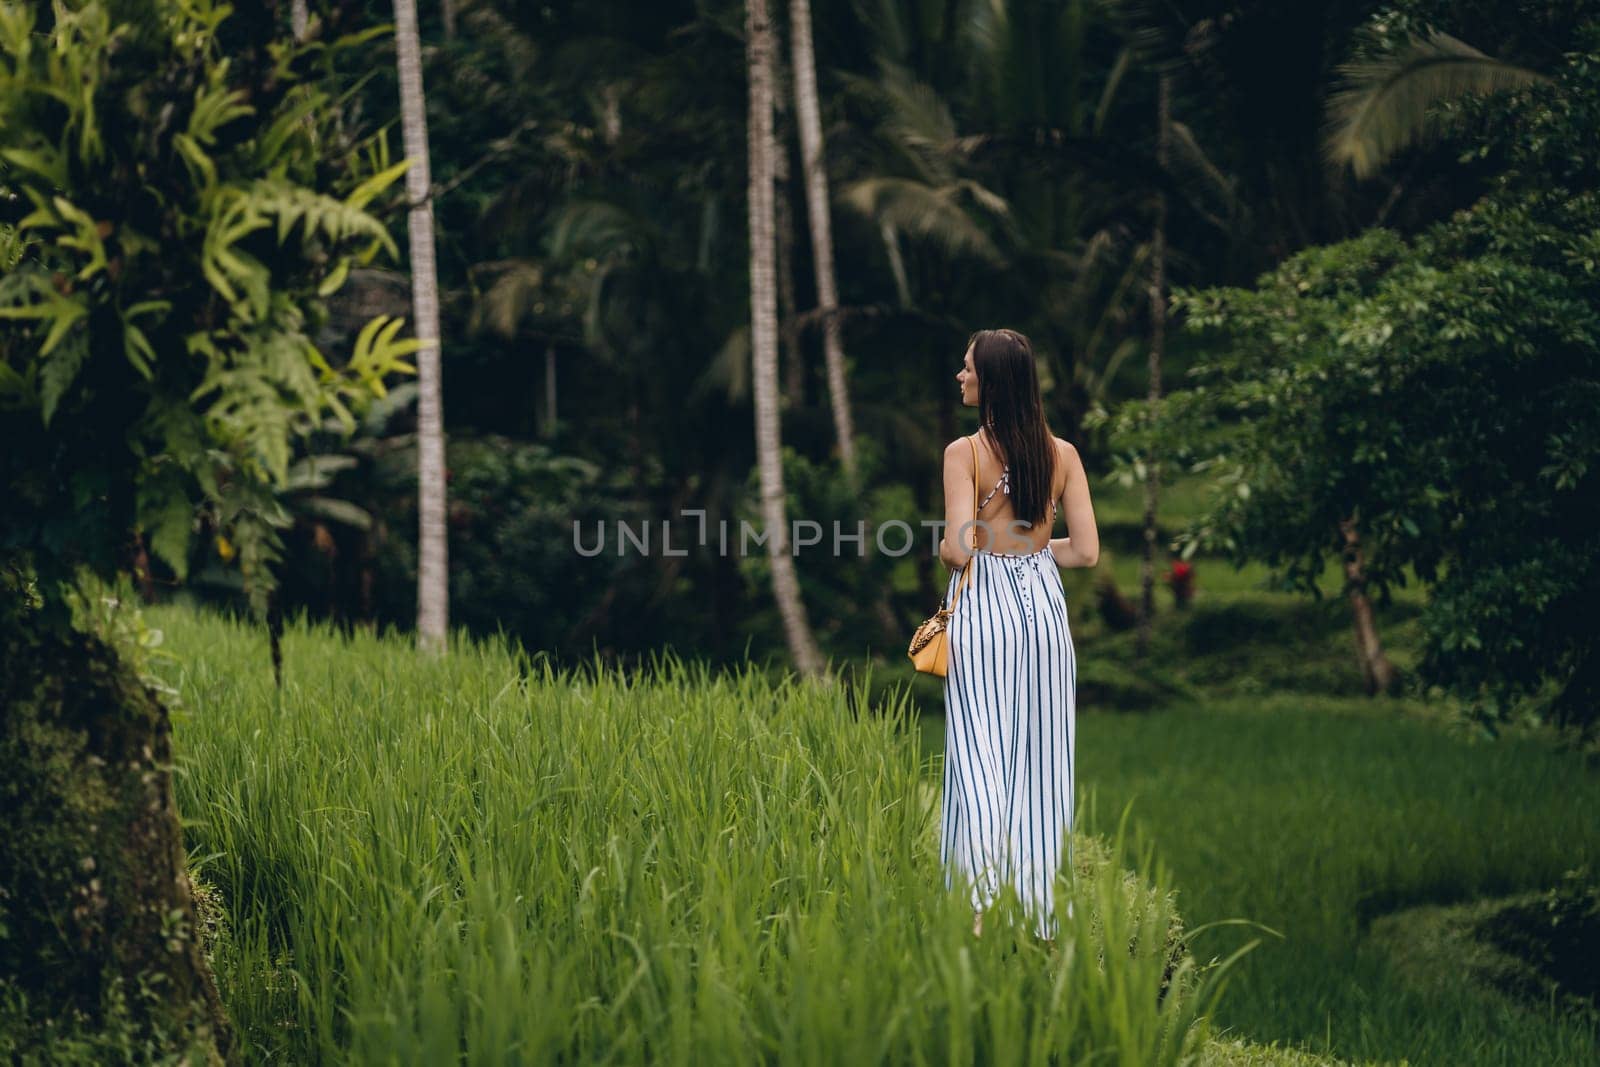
[{"x": 930, "y": 645}]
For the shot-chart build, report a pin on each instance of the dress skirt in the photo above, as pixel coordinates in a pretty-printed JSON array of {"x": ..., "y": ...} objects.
[{"x": 1010, "y": 726}]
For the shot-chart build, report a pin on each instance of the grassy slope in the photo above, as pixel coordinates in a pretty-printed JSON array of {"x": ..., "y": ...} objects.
[
  {"x": 424, "y": 860},
  {"x": 1314, "y": 818},
  {"x": 1266, "y": 796},
  {"x": 1276, "y": 794}
]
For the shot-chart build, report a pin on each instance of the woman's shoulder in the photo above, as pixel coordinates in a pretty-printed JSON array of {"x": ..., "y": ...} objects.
[
  {"x": 959, "y": 459},
  {"x": 1067, "y": 453},
  {"x": 961, "y": 446}
]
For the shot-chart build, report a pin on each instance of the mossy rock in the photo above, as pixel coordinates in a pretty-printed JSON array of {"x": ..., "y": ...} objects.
[{"x": 99, "y": 953}]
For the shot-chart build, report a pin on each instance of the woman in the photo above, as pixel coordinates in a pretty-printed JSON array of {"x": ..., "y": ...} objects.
[{"x": 1010, "y": 707}]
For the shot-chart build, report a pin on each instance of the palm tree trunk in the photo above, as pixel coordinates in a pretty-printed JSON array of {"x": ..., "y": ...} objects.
[
  {"x": 764, "y": 341},
  {"x": 794, "y": 377},
  {"x": 433, "y": 586},
  {"x": 298, "y": 19},
  {"x": 1376, "y": 670},
  {"x": 1158, "y": 343},
  {"x": 809, "y": 112}
]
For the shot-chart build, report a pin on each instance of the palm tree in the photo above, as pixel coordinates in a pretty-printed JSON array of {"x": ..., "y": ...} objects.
[
  {"x": 433, "y": 585},
  {"x": 1386, "y": 103},
  {"x": 1037, "y": 196},
  {"x": 764, "y": 340},
  {"x": 815, "y": 173}
]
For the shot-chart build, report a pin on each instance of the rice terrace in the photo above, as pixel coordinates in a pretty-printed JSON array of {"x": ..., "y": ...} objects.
[{"x": 879, "y": 531}]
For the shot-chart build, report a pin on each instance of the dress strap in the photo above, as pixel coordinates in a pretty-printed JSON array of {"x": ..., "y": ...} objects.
[{"x": 1004, "y": 482}]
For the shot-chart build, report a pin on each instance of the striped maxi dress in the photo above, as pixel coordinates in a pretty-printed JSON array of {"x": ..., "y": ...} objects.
[{"x": 1010, "y": 727}]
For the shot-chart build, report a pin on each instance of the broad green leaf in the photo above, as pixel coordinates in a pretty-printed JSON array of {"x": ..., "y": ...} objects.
[
  {"x": 341, "y": 511},
  {"x": 361, "y": 37},
  {"x": 45, "y": 162},
  {"x": 335, "y": 278},
  {"x": 65, "y": 311},
  {"x": 363, "y": 193}
]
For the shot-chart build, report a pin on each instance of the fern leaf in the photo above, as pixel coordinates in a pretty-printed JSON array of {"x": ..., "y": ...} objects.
[
  {"x": 168, "y": 519},
  {"x": 60, "y": 371},
  {"x": 215, "y": 107},
  {"x": 291, "y": 119}
]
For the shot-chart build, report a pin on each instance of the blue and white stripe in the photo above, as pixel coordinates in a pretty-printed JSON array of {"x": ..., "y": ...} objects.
[{"x": 1010, "y": 727}]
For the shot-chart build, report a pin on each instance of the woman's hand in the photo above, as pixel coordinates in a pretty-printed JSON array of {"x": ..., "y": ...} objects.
[{"x": 951, "y": 556}]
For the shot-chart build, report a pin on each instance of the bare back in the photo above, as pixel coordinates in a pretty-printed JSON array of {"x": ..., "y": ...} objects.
[{"x": 996, "y": 534}]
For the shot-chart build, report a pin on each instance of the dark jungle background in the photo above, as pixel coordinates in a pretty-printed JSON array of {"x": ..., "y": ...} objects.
[{"x": 1315, "y": 292}]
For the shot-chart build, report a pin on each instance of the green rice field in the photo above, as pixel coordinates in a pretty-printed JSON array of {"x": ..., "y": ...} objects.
[{"x": 476, "y": 860}]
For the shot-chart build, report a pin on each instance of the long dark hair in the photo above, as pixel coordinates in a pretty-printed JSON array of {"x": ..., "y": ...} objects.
[{"x": 1010, "y": 405}]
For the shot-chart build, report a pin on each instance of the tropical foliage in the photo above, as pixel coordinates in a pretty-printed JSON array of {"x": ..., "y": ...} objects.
[
  {"x": 1440, "y": 393},
  {"x": 181, "y": 198},
  {"x": 649, "y": 224},
  {"x": 187, "y": 196}
]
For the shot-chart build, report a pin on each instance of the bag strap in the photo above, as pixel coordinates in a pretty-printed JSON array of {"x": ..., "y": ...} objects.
[{"x": 967, "y": 566}]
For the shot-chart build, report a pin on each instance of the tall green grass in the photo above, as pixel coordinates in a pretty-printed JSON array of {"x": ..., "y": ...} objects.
[
  {"x": 477, "y": 860},
  {"x": 1316, "y": 816}
]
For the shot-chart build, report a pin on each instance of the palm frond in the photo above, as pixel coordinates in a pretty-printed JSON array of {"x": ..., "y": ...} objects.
[
  {"x": 1387, "y": 103},
  {"x": 728, "y": 372},
  {"x": 885, "y": 24},
  {"x": 599, "y": 229},
  {"x": 1207, "y": 188},
  {"x": 1108, "y": 92},
  {"x": 508, "y": 300},
  {"x": 932, "y": 213},
  {"x": 915, "y": 127},
  {"x": 1159, "y": 32},
  {"x": 918, "y": 115}
]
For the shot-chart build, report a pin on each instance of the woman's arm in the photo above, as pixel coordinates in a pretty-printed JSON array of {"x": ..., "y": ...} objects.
[
  {"x": 1082, "y": 547},
  {"x": 956, "y": 546}
]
